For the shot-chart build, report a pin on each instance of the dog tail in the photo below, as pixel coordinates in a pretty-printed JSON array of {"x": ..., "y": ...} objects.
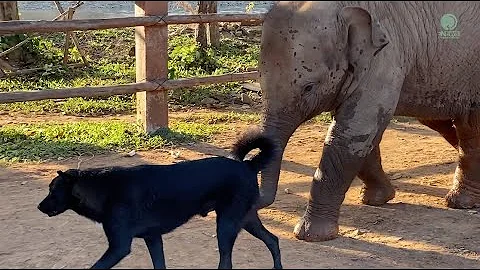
[{"x": 252, "y": 139}]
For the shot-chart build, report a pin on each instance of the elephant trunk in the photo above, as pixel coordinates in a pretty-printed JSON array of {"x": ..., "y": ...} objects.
[{"x": 280, "y": 133}]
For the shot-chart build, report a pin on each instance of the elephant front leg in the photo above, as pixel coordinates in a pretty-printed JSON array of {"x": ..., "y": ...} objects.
[
  {"x": 377, "y": 189},
  {"x": 331, "y": 181},
  {"x": 357, "y": 129},
  {"x": 465, "y": 192}
]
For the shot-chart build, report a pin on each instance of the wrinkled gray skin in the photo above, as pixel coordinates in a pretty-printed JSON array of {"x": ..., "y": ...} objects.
[{"x": 366, "y": 62}]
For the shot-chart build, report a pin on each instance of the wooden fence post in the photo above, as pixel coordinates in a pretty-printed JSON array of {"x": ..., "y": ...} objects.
[
  {"x": 213, "y": 27},
  {"x": 202, "y": 27},
  {"x": 151, "y": 52}
]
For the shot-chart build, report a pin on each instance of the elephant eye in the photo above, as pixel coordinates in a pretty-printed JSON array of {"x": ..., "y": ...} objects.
[{"x": 308, "y": 87}]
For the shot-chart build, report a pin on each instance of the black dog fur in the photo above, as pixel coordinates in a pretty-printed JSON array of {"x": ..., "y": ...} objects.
[{"x": 148, "y": 201}]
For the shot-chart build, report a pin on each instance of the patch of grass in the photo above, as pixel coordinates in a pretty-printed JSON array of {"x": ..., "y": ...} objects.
[
  {"x": 40, "y": 142},
  {"x": 188, "y": 60},
  {"x": 76, "y": 106},
  {"x": 217, "y": 118},
  {"x": 403, "y": 119},
  {"x": 249, "y": 118},
  {"x": 93, "y": 107},
  {"x": 324, "y": 117}
]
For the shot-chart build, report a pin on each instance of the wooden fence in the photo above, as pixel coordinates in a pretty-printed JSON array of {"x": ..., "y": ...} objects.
[{"x": 151, "y": 50}]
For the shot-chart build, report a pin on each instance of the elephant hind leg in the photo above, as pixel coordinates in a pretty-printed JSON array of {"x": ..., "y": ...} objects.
[
  {"x": 445, "y": 128},
  {"x": 377, "y": 189},
  {"x": 465, "y": 191}
]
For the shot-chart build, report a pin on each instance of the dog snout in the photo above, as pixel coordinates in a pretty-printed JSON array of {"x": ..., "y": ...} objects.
[{"x": 41, "y": 207}]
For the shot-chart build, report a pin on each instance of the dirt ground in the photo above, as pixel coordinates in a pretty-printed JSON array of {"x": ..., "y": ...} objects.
[{"x": 414, "y": 230}]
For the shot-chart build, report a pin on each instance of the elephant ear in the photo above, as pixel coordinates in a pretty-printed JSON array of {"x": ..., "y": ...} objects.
[{"x": 364, "y": 37}]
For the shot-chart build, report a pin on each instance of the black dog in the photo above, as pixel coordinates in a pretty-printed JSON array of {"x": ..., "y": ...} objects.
[{"x": 148, "y": 201}]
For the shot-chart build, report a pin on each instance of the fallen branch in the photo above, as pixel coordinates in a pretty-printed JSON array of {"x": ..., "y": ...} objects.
[
  {"x": 32, "y": 70},
  {"x": 80, "y": 160},
  {"x": 5, "y": 65}
]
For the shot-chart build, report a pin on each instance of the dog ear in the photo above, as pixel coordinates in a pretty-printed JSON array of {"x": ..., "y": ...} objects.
[{"x": 70, "y": 175}]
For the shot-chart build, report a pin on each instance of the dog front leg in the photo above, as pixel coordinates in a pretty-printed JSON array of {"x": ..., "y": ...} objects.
[
  {"x": 111, "y": 257},
  {"x": 119, "y": 243},
  {"x": 155, "y": 248}
]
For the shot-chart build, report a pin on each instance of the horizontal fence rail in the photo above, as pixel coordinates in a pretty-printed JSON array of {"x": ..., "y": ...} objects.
[
  {"x": 42, "y": 26},
  {"x": 98, "y": 91}
]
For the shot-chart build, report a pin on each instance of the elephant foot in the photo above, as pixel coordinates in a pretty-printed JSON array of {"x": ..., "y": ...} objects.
[
  {"x": 315, "y": 230},
  {"x": 462, "y": 199},
  {"x": 465, "y": 191},
  {"x": 377, "y": 195}
]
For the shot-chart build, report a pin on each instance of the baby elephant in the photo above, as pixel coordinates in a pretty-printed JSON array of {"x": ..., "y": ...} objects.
[{"x": 148, "y": 201}]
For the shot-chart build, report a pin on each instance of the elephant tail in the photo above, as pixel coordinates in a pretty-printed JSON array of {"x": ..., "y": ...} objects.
[{"x": 252, "y": 139}]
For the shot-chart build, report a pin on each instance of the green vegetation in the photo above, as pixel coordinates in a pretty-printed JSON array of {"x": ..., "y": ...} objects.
[
  {"x": 40, "y": 141},
  {"x": 321, "y": 118},
  {"x": 112, "y": 61},
  {"x": 46, "y": 141},
  {"x": 224, "y": 118}
]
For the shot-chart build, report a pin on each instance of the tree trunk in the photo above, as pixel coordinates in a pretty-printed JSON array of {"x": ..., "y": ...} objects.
[
  {"x": 9, "y": 12},
  {"x": 202, "y": 27},
  {"x": 208, "y": 34},
  {"x": 213, "y": 27}
]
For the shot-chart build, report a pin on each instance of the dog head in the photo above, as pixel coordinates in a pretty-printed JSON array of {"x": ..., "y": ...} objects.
[{"x": 60, "y": 196}]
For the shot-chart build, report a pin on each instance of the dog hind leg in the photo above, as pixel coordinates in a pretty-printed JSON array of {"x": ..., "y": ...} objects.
[
  {"x": 230, "y": 219},
  {"x": 255, "y": 227},
  {"x": 155, "y": 248},
  {"x": 227, "y": 231}
]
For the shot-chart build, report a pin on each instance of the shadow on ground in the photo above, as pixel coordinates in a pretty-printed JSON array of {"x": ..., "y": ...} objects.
[{"x": 400, "y": 184}]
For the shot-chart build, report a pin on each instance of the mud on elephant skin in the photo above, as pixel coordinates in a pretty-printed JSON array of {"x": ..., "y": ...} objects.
[{"x": 366, "y": 62}]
